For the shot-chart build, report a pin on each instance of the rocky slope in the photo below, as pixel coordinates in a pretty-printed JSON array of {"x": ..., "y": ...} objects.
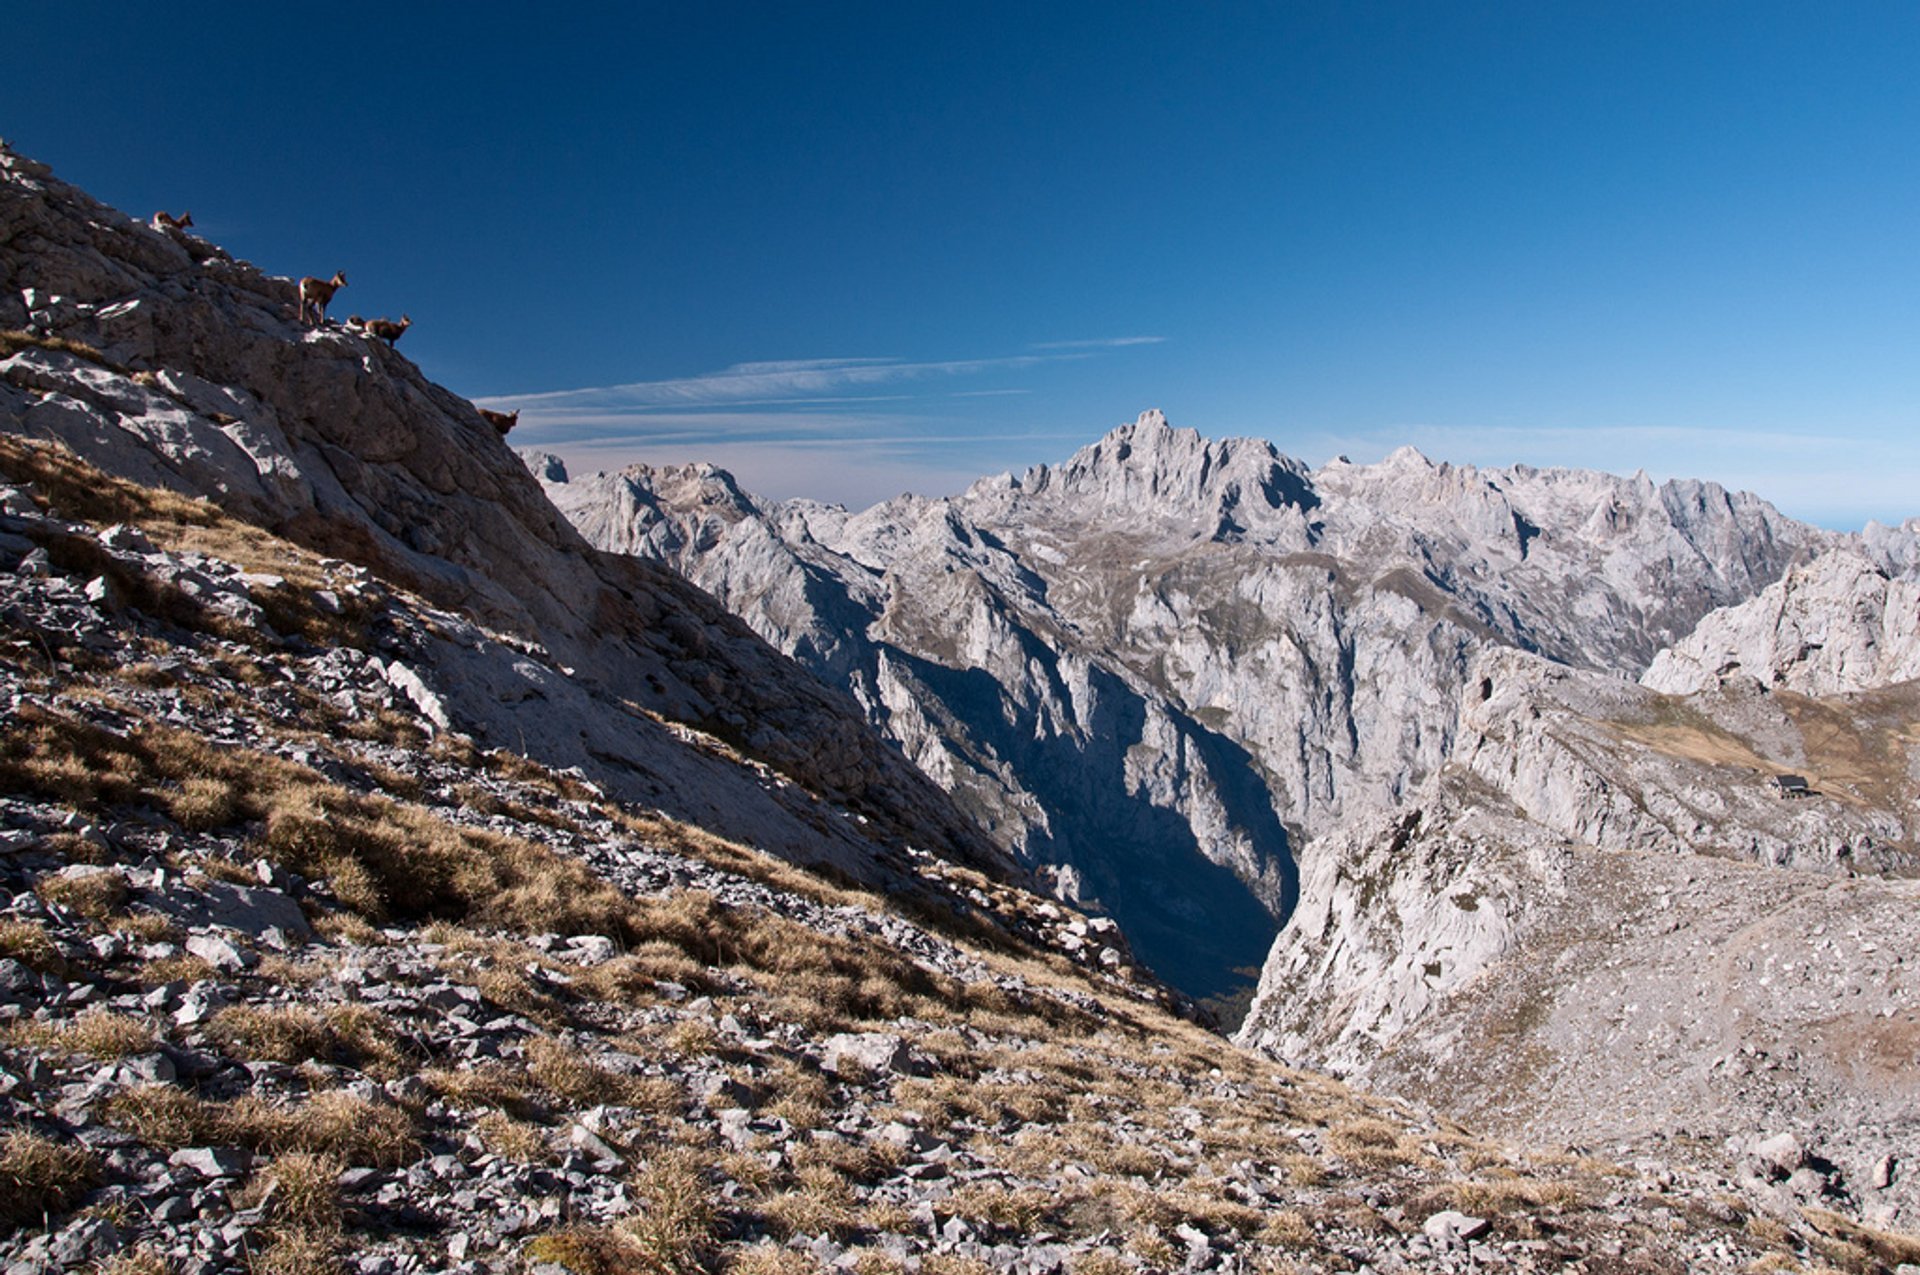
[
  {"x": 295, "y": 978},
  {"x": 1152, "y": 669},
  {"x": 159, "y": 358},
  {"x": 1602, "y": 920}
]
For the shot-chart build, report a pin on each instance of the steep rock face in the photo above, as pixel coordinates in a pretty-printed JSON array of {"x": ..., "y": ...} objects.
[
  {"x": 161, "y": 359},
  {"x": 1172, "y": 654},
  {"x": 1601, "y": 920},
  {"x": 1843, "y": 622}
]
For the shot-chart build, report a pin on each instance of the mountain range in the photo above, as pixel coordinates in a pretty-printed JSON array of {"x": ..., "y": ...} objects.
[{"x": 417, "y": 856}]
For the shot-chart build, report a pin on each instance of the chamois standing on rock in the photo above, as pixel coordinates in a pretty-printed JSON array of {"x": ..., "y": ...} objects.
[
  {"x": 502, "y": 421},
  {"x": 386, "y": 329},
  {"x": 167, "y": 221},
  {"x": 317, "y": 292}
]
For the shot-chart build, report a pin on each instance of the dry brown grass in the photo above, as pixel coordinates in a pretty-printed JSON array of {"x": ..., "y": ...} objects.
[
  {"x": 1375, "y": 1144},
  {"x": 303, "y": 1192},
  {"x": 1018, "y": 1211},
  {"x": 770, "y": 1259},
  {"x": 97, "y": 1033},
  {"x": 347, "y": 1035},
  {"x": 1857, "y": 1246},
  {"x": 820, "y": 1202},
  {"x": 564, "y": 1071},
  {"x": 77, "y": 490},
  {"x": 385, "y": 860},
  {"x": 1504, "y": 1195},
  {"x": 91, "y": 894},
  {"x": 511, "y": 1139},
  {"x": 41, "y": 1175},
  {"x": 104, "y": 1034},
  {"x": 141, "y": 1260},
  {"x": 13, "y": 340},
  {"x": 355, "y": 1130},
  {"x": 673, "y": 1227},
  {"x": 1099, "y": 1261},
  {"x": 296, "y": 1252},
  {"x": 29, "y": 943},
  {"x": 493, "y": 1086}
]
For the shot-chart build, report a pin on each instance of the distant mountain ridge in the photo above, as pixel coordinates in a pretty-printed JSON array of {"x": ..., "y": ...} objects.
[{"x": 1171, "y": 655}]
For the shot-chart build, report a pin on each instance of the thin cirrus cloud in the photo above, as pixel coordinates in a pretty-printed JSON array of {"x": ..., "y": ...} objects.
[
  {"x": 1099, "y": 343},
  {"x": 760, "y": 382},
  {"x": 845, "y": 429},
  {"x": 803, "y": 379}
]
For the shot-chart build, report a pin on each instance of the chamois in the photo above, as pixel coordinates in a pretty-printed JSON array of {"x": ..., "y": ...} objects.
[
  {"x": 167, "y": 221},
  {"x": 386, "y": 329},
  {"x": 317, "y": 292},
  {"x": 502, "y": 421}
]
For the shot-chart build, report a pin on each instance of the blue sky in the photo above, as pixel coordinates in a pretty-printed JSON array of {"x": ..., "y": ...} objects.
[{"x": 852, "y": 249}]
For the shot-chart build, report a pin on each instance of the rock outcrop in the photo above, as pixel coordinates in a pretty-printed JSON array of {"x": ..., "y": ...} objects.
[
  {"x": 1604, "y": 919},
  {"x": 1151, "y": 669},
  {"x": 159, "y": 358},
  {"x": 1841, "y": 623}
]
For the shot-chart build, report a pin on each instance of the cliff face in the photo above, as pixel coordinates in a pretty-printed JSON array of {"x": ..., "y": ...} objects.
[
  {"x": 1602, "y": 919},
  {"x": 1844, "y": 622},
  {"x": 1153, "y": 669},
  {"x": 159, "y": 358}
]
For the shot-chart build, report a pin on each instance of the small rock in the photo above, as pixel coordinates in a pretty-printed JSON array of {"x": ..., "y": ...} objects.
[
  {"x": 213, "y": 1162},
  {"x": 873, "y": 1052},
  {"x": 220, "y": 953},
  {"x": 1780, "y": 1155},
  {"x": 1450, "y": 1225},
  {"x": 1882, "y": 1176}
]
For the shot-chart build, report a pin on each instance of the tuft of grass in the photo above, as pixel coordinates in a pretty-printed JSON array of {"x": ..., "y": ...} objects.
[
  {"x": 1505, "y": 1195},
  {"x": 137, "y": 1261},
  {"x": 673, "y": 1228},
  {"x": 1857, "y": 1245},
  {"x": 13, "y": 340},
  {"x": 338, "y": 1124},
  {"x": 1374, "y": 1144},
  {"x": 303, "y": 1192},
  {"x": 41, "y": 1176},
  {"x": 358, "y": 1130},
  {"x": 571, "y": 1077},
  {"x": 586, "y": 1250},
  {"x": 29, "y": 943},
  {"x": 820, "y": 1202},
  {"x": 104, "y": 1034},
  {"x": 297, "y": 1252},
  {"x": 93, "y": 894},
  {"x": 510, "y": 1139},
  {"x": 273, "y": 1033}
]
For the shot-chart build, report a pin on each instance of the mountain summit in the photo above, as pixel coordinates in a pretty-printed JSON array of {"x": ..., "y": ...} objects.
[{"x": 1152, "y": 670}]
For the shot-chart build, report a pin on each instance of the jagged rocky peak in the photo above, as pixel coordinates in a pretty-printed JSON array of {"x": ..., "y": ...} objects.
[
  {"x": 1157, "y": 471},
  {"x": 1157, "y": 666}
]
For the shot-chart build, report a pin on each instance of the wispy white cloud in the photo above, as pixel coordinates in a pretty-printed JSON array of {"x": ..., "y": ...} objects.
[
  {"x": 852, "y": 430},
  {"x": 1098, "y": 343},
  {"x": 764, "y": 381}
]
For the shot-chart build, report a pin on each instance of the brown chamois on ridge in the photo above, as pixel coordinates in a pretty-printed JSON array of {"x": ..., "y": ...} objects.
[
  {"x": 167, "y": 221},
  {"x": 502, "y": 421},
  {"x": 317, "y": 292},
  {"x": 386, "y": 329}
]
